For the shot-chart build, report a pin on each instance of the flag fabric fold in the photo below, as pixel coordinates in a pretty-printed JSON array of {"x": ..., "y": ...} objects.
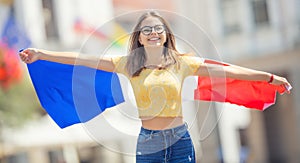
[
  {"x": 74, "y": 94},
  {"x": 251, "y": 94}
]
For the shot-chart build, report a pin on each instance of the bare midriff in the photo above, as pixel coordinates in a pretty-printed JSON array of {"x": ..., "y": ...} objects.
[{"x": 161, "y": 123}]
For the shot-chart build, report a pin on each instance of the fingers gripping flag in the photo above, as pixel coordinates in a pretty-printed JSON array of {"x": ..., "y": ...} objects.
[{"x": 74, "y": 94}]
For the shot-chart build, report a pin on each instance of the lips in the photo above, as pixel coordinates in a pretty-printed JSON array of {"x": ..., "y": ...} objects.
[{"x": 154, "y": 39}]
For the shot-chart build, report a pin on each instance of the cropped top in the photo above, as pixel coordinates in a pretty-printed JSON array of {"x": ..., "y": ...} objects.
[{"x": 158, "y": 91}]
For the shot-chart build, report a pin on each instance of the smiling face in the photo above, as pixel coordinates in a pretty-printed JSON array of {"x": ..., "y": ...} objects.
[
  {"x": 152, "y": 32},
  {"x": 151, "y": 40}
]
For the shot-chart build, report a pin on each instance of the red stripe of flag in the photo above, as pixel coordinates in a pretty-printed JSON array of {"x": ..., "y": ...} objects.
[{"x": 251, "y": 94}]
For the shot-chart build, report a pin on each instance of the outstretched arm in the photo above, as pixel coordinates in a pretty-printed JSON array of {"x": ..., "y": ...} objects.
[
  {"x": 241, "y": 73},
  {"x": 31, "y": 55}
]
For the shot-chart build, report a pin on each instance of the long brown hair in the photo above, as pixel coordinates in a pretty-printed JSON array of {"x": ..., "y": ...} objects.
[{"x": 137, "y": 55}]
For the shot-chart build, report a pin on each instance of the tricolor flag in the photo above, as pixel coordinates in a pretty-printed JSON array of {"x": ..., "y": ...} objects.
[{"x": 77, "y": 94}]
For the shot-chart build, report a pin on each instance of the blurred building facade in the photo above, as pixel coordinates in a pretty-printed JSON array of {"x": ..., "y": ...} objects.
[
  {"x": 50, "y": 24},
  {"x": 264, "y": 35},
  {"x": 259, "y": 34}
]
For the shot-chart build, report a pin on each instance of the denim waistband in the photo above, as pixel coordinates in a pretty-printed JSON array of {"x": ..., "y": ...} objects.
[{"x": 181, "y": 128}]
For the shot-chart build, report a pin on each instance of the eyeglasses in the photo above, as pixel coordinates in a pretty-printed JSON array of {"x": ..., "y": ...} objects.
[{"x": 147, "y": 30}]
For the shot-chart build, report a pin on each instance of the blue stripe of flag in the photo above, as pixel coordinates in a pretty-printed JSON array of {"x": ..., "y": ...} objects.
[{"x": 74, "y": 94}]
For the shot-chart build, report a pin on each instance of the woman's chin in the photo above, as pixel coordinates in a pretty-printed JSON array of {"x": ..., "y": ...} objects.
[{"x": 157, "y": 44}]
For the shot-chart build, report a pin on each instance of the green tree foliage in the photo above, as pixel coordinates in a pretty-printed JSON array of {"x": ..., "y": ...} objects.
[{"x": 18, "y": 104}]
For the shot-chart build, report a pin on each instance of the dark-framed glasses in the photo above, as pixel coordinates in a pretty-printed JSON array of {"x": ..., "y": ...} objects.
[{"x": 147, "y": 30}]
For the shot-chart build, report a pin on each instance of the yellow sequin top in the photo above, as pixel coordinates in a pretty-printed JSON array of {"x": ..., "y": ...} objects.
[{"x": 158, "y": 91}]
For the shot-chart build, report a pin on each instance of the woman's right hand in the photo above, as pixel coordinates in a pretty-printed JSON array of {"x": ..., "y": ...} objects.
[{"x": 30, "y": 55}]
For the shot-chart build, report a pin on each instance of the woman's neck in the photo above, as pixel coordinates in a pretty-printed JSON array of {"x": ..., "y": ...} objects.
[{"x": 154, "y": 55}]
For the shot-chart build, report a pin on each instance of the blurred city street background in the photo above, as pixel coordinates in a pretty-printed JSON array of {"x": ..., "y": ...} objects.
[{"x": 259, "y": 34}]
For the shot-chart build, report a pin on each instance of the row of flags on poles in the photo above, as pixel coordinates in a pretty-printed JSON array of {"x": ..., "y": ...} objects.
[
  {"x": 13, "y": 37},
  {"x": 112, "y": 32}
]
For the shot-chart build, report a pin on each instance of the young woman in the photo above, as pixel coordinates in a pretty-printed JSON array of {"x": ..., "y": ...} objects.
[{"x": 156, "y": 71}]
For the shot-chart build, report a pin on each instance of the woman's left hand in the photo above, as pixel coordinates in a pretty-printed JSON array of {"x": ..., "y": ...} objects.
[{"x": 278, "y": 80}]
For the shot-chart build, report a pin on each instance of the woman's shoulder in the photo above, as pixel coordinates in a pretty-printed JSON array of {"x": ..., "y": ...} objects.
[
  {"x": 189, "y": 57},
  {"x": 190, "y": 62},
  {"x": 186, "y": 54},
  {"x": 120, "y": 63},
  {"x": 119, "y": 59}
]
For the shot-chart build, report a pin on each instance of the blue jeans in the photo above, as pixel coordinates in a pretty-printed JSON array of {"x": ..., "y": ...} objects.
[{"x": 165, "y": 146}]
